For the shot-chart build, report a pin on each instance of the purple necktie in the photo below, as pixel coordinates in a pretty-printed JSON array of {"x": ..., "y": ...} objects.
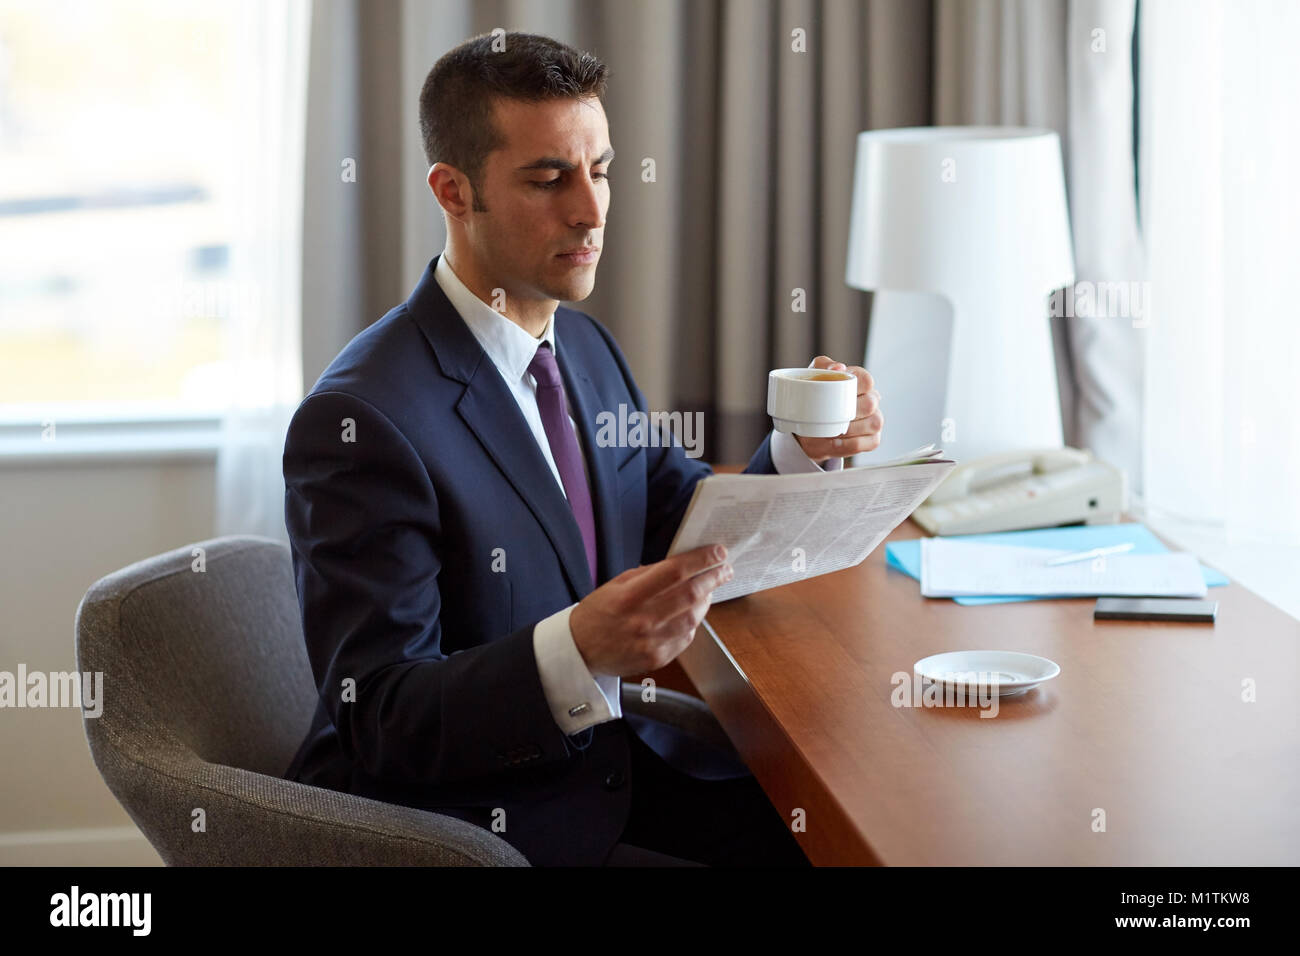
[{"x": 564, "y": 446}]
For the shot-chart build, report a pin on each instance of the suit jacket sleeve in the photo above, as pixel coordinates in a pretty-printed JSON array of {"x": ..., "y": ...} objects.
[
  {"x": 670, "y": 475},
  {"x": 364, "y": 525}
]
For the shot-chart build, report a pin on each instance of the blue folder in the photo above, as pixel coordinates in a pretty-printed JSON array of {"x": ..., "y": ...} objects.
[{"x": 906, "y": 555}]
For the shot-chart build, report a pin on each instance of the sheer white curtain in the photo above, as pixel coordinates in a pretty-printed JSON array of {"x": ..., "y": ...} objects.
[
  {"x": 1221, "y": 215},
  {"x": 263, "y": 353}
]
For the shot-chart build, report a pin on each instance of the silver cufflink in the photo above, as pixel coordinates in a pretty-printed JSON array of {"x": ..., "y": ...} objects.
[{"x": 580, "y": 709}]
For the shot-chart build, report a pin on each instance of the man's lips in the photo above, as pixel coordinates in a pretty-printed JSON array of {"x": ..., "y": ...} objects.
[{"x": 581, "y": 254}]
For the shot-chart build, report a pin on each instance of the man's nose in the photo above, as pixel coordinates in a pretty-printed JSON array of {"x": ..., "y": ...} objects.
[{"x": 588, "y": 204}]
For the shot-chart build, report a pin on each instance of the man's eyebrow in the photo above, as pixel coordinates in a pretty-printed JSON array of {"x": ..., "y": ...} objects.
[{"x": 552, "y": 162}]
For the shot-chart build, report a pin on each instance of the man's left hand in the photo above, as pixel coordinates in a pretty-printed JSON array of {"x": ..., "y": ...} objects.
[{"x": 863, "y": 433}]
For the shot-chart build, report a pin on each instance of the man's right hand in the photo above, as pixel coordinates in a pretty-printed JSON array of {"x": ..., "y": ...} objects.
[{"x": 642, "y": 619}]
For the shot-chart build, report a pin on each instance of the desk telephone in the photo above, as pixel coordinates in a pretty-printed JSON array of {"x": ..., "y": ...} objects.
[{"x": 1025, "y": 489}]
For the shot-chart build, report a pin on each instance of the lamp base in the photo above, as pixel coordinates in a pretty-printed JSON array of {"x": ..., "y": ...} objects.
[{"x": 975, "y": 383}]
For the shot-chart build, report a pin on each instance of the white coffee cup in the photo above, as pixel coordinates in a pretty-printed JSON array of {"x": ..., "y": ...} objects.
[{"x": 813, "y": 402}]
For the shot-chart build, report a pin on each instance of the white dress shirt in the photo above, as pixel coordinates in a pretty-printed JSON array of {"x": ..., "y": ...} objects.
[{"x": 577, "y": 697}]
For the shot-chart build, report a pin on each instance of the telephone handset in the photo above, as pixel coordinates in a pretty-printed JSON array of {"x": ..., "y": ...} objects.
[
  {"x": 985, "y": 471},
  {"x": 1025, "y": 489}
]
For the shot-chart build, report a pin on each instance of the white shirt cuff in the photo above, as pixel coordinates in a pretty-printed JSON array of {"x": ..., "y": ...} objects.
[
  {"x": 577, "y": 698},
  {"x": 789, "y": 458}
]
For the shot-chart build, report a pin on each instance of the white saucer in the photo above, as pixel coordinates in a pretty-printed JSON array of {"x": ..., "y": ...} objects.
[{"x": 1006, "y": 673}]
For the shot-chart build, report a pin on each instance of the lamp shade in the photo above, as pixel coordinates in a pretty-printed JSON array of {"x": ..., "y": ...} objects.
[
  {"x": 951, "y": 209},
  {"x": 962, "y": 232}
]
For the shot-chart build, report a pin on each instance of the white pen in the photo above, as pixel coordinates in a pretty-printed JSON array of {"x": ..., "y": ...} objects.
[{"x": 1086, "y": 555}]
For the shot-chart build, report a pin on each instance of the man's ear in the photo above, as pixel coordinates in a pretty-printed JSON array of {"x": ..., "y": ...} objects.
[{"x": 451, "y": 189}]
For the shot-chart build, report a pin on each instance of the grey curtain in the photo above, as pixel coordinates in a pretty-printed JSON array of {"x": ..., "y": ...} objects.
[{"x": 753, "y": 143}]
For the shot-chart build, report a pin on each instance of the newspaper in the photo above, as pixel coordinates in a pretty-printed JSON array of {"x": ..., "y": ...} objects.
[{"x": 783, "y": 528}]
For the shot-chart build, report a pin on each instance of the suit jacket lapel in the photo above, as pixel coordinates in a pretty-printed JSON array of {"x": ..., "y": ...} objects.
[{"x": 492, "y": 413}]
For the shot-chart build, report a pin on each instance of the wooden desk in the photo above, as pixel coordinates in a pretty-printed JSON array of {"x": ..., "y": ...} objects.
[{"x": 1145, "y": 721}]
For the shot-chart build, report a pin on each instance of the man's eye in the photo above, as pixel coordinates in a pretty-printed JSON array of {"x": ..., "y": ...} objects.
[{"x": 552, "y": 183}]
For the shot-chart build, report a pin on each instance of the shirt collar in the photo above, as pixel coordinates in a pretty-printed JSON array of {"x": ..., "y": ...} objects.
[{"x": 509, "y": 346}]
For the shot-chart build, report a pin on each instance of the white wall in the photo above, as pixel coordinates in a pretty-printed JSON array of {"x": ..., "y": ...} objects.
[{"x": 64, "y": 525}]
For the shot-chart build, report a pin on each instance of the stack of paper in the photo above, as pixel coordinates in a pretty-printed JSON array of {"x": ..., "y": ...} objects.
[
  {"x": 906, "y": 555},
  {"x": 953, "y": 568}
]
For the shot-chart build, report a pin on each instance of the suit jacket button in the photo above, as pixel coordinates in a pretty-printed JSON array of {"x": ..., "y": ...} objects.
[{"x": 614, "y": 780}]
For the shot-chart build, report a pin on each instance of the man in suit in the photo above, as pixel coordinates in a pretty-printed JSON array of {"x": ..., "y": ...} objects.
[{"x": 475, "y": 568}]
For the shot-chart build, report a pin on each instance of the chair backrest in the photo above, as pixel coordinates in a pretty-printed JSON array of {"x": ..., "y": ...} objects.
[{"x": 202, "y": 652}]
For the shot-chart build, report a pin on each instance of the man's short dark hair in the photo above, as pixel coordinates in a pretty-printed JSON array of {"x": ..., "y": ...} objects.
[{"x": 457, "y": 96}]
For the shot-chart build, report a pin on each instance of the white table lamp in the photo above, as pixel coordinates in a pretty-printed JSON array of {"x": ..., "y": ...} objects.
[{"x": 962, "y": 232}]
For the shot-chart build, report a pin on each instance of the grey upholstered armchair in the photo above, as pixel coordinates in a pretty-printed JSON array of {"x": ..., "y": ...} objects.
[{"x": 207, "y": 694}]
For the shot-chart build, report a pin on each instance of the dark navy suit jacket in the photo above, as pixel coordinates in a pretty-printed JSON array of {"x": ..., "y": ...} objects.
[{"x": 422, "y": 653}]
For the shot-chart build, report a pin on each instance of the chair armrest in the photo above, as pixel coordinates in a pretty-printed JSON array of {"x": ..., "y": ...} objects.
[{"x": 689, "y": 714}]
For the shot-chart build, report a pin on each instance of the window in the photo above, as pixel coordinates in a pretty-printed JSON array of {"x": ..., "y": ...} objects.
[
  {"x": 117, "y": 130},
  {"x": 1219, "y": 86}
]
